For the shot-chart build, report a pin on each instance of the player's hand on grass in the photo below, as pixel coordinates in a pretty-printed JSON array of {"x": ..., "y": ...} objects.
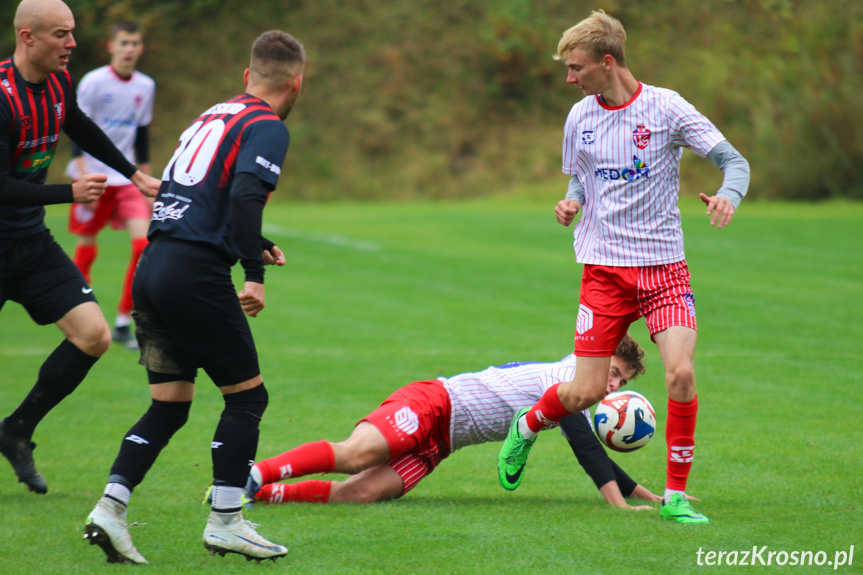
[
  {"x": 640, "y": 507},
  {"x": 252, "y": 298},
  {"x": 721, "y": 209},
  {"x": 148, "y": 185},
  {"x": 274, "y": 256},
  {"x": 566, "y": 210},
  {"x": 89, "y": 188}
]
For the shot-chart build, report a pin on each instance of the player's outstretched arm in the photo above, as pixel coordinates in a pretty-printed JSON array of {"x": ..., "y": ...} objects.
[
  {"x": 88, "y": 188},
  {"x": 148, "y": 185},
  {"x": 612, "y": 494}
]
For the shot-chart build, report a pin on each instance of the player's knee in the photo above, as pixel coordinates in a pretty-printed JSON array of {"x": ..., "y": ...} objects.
[
  {"x": 679, "y": 379},
  {"x": 251, "y": 403},
  {"x": 94, "y": 338}
]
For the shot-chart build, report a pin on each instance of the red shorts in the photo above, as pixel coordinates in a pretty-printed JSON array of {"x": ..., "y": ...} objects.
[
  {"x": 415, "y": 422},
  {"x": 117, "y": 205},
  {"x": 612, "y": 298}
]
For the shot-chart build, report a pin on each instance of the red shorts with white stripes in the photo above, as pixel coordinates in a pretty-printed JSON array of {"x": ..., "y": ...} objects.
[
  {"x": 612, "y": 298},
  {"x": 415, "y": 422}
]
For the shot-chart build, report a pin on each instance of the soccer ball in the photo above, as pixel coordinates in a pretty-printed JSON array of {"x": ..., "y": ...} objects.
[{"x": 624, "y": 421}]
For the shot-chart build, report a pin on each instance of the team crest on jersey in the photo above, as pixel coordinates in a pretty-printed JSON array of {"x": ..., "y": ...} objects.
[
  {"x": 588, "y": 137},
  {"x": 26, "y": 122},
  {"x": 7, "y": 86},
  {"x": 641, "y": 136}
]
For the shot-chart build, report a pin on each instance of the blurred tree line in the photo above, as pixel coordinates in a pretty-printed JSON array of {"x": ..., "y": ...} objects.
[{"x": 421, "y": 98}]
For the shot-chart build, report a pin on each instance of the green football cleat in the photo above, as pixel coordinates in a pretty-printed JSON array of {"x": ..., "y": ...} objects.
[
  {"x": 679, "y": 509},
  {"x": 513, "y": 455}
]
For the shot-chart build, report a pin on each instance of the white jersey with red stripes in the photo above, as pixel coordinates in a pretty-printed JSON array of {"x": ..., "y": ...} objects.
[
  {"x": 628, "y": 160},
  {"x": 484, "y": 403},
  {"x": 118, "y": 106}
]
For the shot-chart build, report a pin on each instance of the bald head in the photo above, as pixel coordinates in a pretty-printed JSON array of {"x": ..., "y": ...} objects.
[
  {"x": 37, "y": 15},
  {"x": 43, "y": 38}
]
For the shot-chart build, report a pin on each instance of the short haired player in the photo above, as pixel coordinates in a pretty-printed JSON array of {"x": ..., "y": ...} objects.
[
  {"x": 119, "y": 98},
  {"x": 396, "y": 446},
  {"x": 37, "y": 102},
  {"x": 188, "y": 314},
  {"x": 622, "y": 147}
]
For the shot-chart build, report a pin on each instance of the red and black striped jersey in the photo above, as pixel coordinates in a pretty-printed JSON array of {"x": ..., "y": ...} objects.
[
  {"x": 240, "y": 136},
  {"x": 31, "y": 117}
]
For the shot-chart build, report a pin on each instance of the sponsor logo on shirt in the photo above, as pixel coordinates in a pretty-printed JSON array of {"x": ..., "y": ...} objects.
[
  {"x": 641, "y": 136},
  {"x": 34, "y": 162},
  {"x": 7, "y": 86},
  {"x": 588, "y": 137},
  {"x": 268, "y": 165},
  {"x": 638, "y": 170},
  {"x": 162, "y": 212},
  {"x": 58, "y": 109}
]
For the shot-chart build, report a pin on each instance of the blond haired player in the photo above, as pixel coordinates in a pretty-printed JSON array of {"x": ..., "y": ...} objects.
[{"x": 622, "y": 147}]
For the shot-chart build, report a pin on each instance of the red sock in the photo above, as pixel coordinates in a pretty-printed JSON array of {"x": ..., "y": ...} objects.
[
  {"x": 311, "y": 491},
  {"x": 125, "y": 307},
  {"x": 547, "y": 411},
  {"x": 316, "y": 457},
  {"x": 680, "y": 438},
  {"x": 84, "y": 258}
]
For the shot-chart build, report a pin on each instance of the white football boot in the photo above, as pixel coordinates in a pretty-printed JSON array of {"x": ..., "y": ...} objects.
[
  {"x": 106, "y": 527},
  {"x": 230, "y": 533}
]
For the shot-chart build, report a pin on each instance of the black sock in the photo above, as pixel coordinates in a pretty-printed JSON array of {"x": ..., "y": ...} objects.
[
  {"x": 236, "y": 439},
  {"x": 61, "y": 373},
  {"x": 143, "y": 443}
]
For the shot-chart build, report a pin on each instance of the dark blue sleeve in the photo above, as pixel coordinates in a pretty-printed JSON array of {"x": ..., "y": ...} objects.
[{"x": 263, "y": 149}]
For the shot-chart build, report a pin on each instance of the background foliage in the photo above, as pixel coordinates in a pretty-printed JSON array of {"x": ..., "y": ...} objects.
[{"x": 443, "y": 99}]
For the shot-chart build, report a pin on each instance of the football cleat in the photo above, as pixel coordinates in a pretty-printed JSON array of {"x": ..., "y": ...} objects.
[
  {"x": 513, "y": 455},
  {"x": 19, "y": 452},
  {"x": 106, "y": 527},
  {"x": 230, "y": 533},
  {"x": 679, "y": 509}
]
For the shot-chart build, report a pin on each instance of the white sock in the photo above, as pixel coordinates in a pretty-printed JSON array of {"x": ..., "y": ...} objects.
[
  {"x": 669, "y": 493},
  {"x": 525, "y": 431},
  {"x": 119, "y": 492},
  {"x": 123, "y": 320},
  {"x": 226, "y": 497}
]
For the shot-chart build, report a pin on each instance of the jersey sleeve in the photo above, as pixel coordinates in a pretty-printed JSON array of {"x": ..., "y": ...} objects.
[
  {"x": 87, "y": 94},
  {"x": 263, "y": 150},
  {"x": 690, "y": 128}
]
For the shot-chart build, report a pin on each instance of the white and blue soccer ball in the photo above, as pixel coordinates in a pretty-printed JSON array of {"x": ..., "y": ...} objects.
[{"x": 624, "y": 421}]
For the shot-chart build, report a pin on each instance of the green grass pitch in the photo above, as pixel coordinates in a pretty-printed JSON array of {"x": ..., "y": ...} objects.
[{"x": 375, "y": 296}]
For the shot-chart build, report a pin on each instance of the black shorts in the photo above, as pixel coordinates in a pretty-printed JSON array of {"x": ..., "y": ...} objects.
[
  {"x": 37, "y": 273},
  {"x": 187, "y": 314}
]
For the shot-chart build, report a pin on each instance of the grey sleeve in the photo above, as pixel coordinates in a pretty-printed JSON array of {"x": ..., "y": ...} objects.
[
  {"x": 575, "y": 190},
  {"x": 735, "y": 169}
]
